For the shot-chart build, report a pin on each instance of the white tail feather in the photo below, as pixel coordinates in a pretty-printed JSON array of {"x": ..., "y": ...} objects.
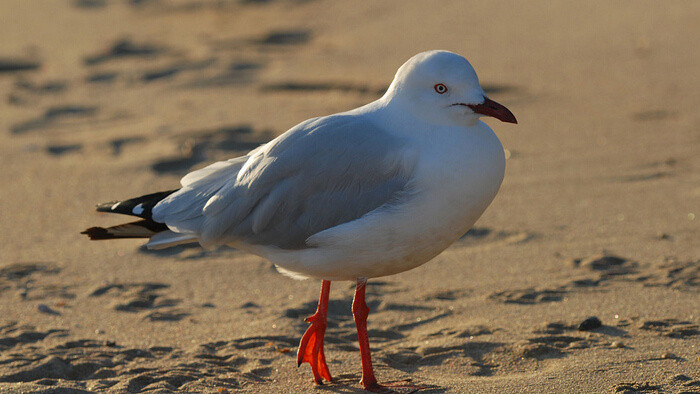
[{"x": 168, "y": 238}]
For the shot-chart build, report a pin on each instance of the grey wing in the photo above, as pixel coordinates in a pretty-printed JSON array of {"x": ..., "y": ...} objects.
[{"x": 320, "y": 174}]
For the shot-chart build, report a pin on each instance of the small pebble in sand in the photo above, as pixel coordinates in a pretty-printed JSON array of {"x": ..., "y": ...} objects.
[
  {"x": 668, "y": 356},
  {"x": 617, "y": 344},
  {"x": 43, "y": 308},
  {"x": 590, "y": 323}
]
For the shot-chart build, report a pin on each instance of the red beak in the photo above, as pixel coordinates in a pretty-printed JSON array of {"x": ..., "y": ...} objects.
[{"x": 492, "y": 108}]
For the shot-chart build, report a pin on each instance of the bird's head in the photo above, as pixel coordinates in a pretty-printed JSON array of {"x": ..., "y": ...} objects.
[{"x": 442, "y": 87}]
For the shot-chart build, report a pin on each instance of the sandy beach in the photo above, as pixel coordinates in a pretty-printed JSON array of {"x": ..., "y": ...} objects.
[{"x": 598, "y": 215}]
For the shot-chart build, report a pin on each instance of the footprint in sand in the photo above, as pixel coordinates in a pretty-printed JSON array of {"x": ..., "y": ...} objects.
[
  {"x": 486, "y": 237},
  {"x": 601, "y": 268},
  {"x": 235, "y": 73},
  {"x": 463, "y": 332},
  {"x": 680, "y": 275},
  {"x": 125, "y": 48},
  {"x": 447, "y": 295},
  {"x": 210, "y": 145},
  {"x": 652, "y": 115},
  {"x": 140, "y": 297},
  {"x": 633, "y": 387},
  {"x": 473, "y": 357},
  {"x": 322, "y": 87},
  {"x": 28, "y": 279},
  {"x": 273, "y": 40},
  {"x": 16, "y": 64},
  {"x": 118, "y": 144},
  {"x": 652, "y": 171},
  {"x": 57, "y": 116},
  {"x": 94, "y": 365},
  {"x": 672, "y": 328},
  {"x": 172, "y": 70},
  {"x": 29, "y": 92},
  {"x": 604, "y": 267},
  {"x": 61, "y": 149},
  {"x": 529, "y": 296},
  {"x": 557, "y": 340},
  {"x": 607, "y": 265},
  {"x": 13, "y": 334}
]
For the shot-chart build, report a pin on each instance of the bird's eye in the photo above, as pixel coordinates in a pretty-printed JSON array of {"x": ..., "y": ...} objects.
[{"x": 441, "y": 88}]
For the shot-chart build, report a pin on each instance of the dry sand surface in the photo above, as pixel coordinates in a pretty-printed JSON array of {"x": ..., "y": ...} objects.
[{"x": 598, "y": 215}]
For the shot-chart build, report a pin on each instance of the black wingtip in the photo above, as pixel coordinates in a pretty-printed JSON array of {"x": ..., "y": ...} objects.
[
  {"x": 140, "y": 206},
  {"x": 105, "y": 206}
]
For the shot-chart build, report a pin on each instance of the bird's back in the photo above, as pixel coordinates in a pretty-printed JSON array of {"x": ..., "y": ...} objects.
[{"x": 322, "y": 173}]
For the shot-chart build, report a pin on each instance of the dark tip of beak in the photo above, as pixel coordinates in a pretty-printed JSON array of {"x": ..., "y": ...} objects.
[{"x": 493, "y": 109}]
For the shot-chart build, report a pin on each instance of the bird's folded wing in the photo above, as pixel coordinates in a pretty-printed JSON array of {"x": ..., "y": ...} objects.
[{"x": 320, "y": 174}]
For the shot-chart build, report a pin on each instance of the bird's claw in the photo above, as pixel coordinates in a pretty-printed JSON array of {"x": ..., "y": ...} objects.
[{"x": 311, "y": 349}]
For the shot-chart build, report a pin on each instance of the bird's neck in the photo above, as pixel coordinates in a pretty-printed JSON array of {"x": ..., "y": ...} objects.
[
  {"x": 398, "y": 113},
  {"x": 402, "y": 116}
]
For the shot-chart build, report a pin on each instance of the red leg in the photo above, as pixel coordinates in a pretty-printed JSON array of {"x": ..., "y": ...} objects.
[
  {"x": 360, "y": 311},
  {"x": 311, "y": 345}
]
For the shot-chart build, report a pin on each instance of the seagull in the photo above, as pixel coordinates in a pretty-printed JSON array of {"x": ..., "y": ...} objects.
[{"x": 366, "y": 193}]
